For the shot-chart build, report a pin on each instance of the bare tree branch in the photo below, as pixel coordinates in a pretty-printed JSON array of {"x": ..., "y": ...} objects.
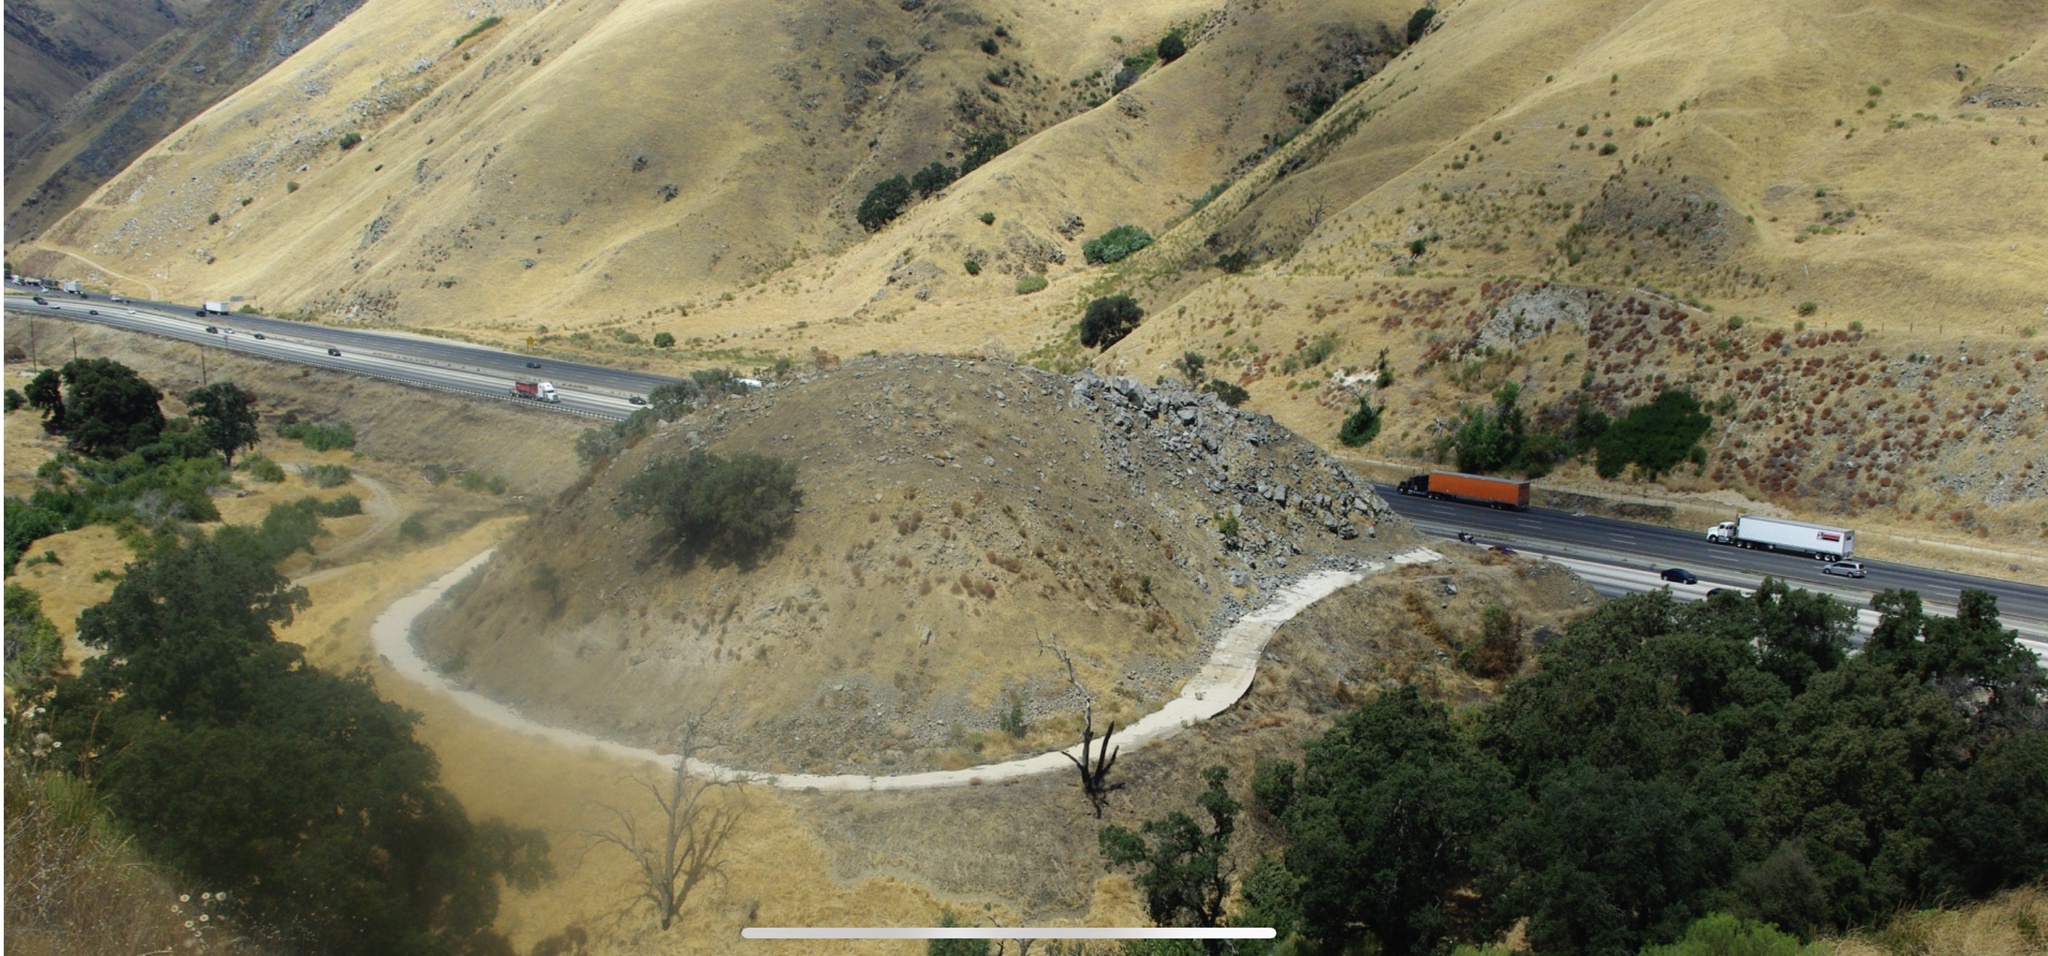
[
  {"x": 682, "y": 850},
  {"x": 1095, "y": 766}
]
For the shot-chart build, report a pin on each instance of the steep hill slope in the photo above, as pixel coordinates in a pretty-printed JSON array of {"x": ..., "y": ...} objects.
[
  {"x": 1795, "y": 212},
  {"x": 955, "y": 516},
  {"x": 56, "y": 47},
  {"x": 64, "y": 148}
]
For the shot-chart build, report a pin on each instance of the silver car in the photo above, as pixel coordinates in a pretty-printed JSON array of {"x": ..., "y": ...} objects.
[{"x": 1847, "y": 569}]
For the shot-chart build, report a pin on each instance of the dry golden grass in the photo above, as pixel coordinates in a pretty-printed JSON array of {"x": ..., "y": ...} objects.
[
  {"x": 76, "y": 884},
  {"x": 2014, "y": 923},
  {"x": 1730, "y": 184}
]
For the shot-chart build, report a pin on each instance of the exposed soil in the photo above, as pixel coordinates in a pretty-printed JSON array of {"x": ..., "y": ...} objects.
[{"x": 956, "y": 514}]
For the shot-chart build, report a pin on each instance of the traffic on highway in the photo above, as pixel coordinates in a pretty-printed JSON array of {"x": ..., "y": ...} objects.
[{"x": 1616, "y": 556}]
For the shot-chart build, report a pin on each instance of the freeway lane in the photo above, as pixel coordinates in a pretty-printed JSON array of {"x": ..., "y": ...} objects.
[
  {"x": 599, "y": 391},
  {"x": 414, "y": 360},
  {"x": 1649, "y": 548}
]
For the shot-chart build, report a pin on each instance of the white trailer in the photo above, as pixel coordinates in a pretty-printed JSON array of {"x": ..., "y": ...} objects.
[
  {"x": 214, "y": 308},
  {"x": 1778, "y": 534}
]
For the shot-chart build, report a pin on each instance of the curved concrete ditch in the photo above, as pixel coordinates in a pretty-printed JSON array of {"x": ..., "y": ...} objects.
[{"x": 1223, "y": 679}]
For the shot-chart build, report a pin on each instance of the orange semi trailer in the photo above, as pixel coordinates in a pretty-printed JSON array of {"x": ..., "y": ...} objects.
[{"x": 1454, "y": 486}]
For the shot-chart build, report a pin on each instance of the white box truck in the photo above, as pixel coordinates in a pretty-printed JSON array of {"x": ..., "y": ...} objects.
[
  {"x": 215, "y": 308},
  {"x": 1778, "y": 534}
]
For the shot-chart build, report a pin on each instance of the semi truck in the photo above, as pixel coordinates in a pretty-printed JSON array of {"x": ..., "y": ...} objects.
[
  {"x": 72, "y": 286},
  {"x": 1477, "y": 489},
  {"x": 1778, "y": 534},
  {"x": 538, "y": 391},
  {"x": 214, "y": 308}
]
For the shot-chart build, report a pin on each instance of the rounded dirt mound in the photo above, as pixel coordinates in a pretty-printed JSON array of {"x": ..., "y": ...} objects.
[{"x": 955, "y": 515}]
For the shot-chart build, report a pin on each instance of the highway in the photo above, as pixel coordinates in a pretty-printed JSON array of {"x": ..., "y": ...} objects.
[
  {"x": 413, "y": 359},
  {"x": 1622, "y": 556},
  {"x": 1616, "y": 556}
]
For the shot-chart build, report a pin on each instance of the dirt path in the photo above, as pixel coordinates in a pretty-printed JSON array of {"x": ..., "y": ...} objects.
[
  {"x": 111, "y": 273},
  {"x": 1222, "y": 680},
  {"x": 382, "y": 507}
]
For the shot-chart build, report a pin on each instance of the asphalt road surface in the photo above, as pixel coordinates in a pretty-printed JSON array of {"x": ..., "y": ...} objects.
[
  {"x": 1617, "y": 556},
  {"x": 1652, "y": 549}
]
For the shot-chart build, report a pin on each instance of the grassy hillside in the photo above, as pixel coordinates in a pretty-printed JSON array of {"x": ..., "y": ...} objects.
[
  {"x": 67, "y": 147},
  {"x": 1795, "y": 212},
  {"x": 57, "y": 47}
]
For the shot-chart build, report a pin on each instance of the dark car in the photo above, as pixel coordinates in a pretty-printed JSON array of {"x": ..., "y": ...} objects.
[
  {"x": 334, "y": 352},
  {"x": 215, "y": 329},
  {"x": 533, "y": 365},
  {"x": 1715, "y": 592},
  {"x": 1502, "y": 549},
  {"x": 258, "y": 335},
  {"x": 92, "y": 312},
  {"x": 42, "y": 301},
  {"x": 1679, "y": 575},
  {"x": 637, "y": 399},
  {"x": 1848, "y": 569}
]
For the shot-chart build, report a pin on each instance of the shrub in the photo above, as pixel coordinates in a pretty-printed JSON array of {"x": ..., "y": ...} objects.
[
  {"x": 482, "y": 25},
  {"x": 479, "y": 482},
  {"x": 337, "y": 436},
  {"x": 14, "y": 400},
  {"x": 664, "y": 340},
  {"x": 212, "y": 217},
  {"x": 729, "y": 510},
  {"x": 328, "y": 476},
  {"x": 989, "y": 46},
  {"x": 1718, "y": 934},
  {"x": 1418, "y": 23},
  {"x": 261, "y": 468},
  {"x": 1231, "y": 393},
  {"x": 1116, "y": 244},
  {"x": 1361, "y": 427},
  {"x": 1172, "y": 47},
  {"x": 1807, "y": 308},
  {"x": 1227, "y": 526},
  {"x": 883, "y": 203},
  {"x": 1235, "y": 261},
  {"x": 1609, "y": 149},
  {"x": 988, "y": 219},
  {"x": 349, "y": 140},
  {"x": 1311, "y": 355},
  {"x": 341, "y": 507},
  {"x": 972, "y": 266},
  {"x": 435, "y": 474},
  {"x": 411, "y": 529},
  {"x": 1109, "y": 319},
  {"x": 291, "y": 187},
  {"x": 1030, "y": 282},
  {"x": 1735, "y": 322}
]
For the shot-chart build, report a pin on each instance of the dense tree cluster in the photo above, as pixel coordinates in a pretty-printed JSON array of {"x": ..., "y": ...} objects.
[
  {"x": 1670, "y": 760},
  {"x": 299, "y": 792},
  {"x": 890, "y": 197},
  {"x": 1654, "y": 438},
  {"x": 127, "y": 465},
  {"x": 730, "y": 510},
  {"x": 98, "y": 405}
]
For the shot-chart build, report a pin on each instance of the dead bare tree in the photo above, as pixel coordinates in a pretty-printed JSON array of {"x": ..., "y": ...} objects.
[
  {"x": 1093, "y": 765},
  {"x": 681, "y": 850}
]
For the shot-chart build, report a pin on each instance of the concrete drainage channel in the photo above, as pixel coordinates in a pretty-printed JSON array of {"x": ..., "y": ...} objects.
[{"x": 1220, "y": 683}]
